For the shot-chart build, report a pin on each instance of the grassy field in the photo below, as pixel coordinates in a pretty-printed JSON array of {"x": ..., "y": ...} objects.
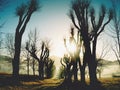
[{"x": 32, "y": 83}]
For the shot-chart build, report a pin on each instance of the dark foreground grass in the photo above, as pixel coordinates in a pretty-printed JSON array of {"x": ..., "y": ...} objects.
[{"x": 33, "y": 83}]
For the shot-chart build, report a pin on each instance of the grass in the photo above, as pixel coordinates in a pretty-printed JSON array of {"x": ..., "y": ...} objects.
[{"x": 32, "y": 83}]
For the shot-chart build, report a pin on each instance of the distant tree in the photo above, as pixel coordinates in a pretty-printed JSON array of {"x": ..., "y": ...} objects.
[
  {"x": 9, "y": 44},
  {"x": 61, "y": 73},
  {"x": 76, "y": 39},
  {"x": 49, "y": 68},
  {"x": 104, "y": 51},
  {"x": 3, "y": 3},
  {"x": 24, "y": 12},
  {"x": 0, "y": 40},
  {"x": 27, "y": 56},
  {"x": 42, "y": 59},
  {"x": 66, "y": 63},
  {"x": 116, "y": 29},
  {"x": 32, "y": 40},
  {"x": 71, "y": 49}
]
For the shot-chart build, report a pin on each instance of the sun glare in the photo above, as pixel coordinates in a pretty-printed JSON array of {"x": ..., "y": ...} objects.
[{"x": 71, "y": 47}]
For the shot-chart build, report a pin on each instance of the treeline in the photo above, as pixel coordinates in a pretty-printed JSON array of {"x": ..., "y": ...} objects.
[{"x": 88, "y": 23}]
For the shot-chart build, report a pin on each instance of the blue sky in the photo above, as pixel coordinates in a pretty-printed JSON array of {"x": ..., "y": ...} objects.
[{"x": 51, "y": 21}]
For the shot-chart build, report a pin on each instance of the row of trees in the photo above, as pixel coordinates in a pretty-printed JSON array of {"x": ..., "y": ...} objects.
[
  {"x": 115, "y": 29},
  {"x": 89, "y": 26},
  {"x": 45, "y": 64}
]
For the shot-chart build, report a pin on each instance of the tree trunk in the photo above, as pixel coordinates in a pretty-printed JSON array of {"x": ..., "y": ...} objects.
[
  {"x": 48, "y": 73},
  {"x": 91, "y": 64},
  {"x": 33, "y": 67},
  {"x": 41, "y": 70},
  {"x": 82, "y": 69},
  {"x": 16, "y": 60},
  {"x": 94, "y": 51},
  {"x": 28, "y": 65},
  {"x": 75, "y": 71}
]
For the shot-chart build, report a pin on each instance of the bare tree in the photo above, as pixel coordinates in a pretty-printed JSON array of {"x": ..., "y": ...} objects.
[
  {"x": 9, "y": 44},
  {"x": 3, "y": 3},
  {"x": 72, "y": 53},
  {"x": 80, "y": 11},
  {"x": 0, "y": 40},
  {"x": 98, "y": 26},
  {"x": 49, "y": 67},
  {"x": 77, "y": 41},
  {"x": 66, "y": 63},
  {"x": 24, "y": 12},
  {"x": 116, "y": 28},
  {"x": 104, "y": 51},
  {"x": 27, "y": 56},
  {"x": 42, "y": 59}
]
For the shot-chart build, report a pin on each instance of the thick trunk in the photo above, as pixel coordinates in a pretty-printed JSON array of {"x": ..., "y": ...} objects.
[
  {"x": 41, "y": 70},
  {"x": 91, "y": 63},
  {"x": 16, "y": 60},
  {"x": 49, "y": 71},
  {"x": 94, "y": 54}
]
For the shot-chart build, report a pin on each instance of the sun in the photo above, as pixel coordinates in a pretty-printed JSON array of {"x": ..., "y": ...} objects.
[{"x": 71, "y": 46}]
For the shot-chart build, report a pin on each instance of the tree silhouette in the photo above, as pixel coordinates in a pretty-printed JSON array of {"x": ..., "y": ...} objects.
[
  {"x": 80, "y": 10},
  {"x": 3, "y": 3},
  {"x": 32, "y": 40},
  {"x": 49, "y": 67},
  {"x": 103, "y": 53},
  {"x": 66, "y": 63},
  {"x": 9, "y": 44},
  {"x": 77, "y": 40},
  {"x": 27, "y": 56},
  {"x": 116, "y": 28},
  {"x": 72, "y": 53},
  {"x": 24, "y": 12},
  {"x": 42, "y": 59},
  {"x": 98, "y": 27}
]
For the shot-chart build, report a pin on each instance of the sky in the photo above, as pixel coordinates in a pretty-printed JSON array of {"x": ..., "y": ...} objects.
[{"x": 51, "y": 21}]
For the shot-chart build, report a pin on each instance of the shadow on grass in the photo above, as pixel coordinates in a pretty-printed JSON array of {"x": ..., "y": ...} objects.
[
  {"x": 25, "y": 82},
  {"x": 8, "y": 80},
  {"x": 79, "y": 86}
]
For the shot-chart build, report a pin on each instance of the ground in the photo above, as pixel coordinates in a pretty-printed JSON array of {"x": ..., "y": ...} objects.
[{"x": 32, "y": 83}]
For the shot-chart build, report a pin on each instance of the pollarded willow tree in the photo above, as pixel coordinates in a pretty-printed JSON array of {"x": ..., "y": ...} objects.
[
  {"x": 82, "y": 13},
  {"x": 74, "y": 49},
  {"x": 116, "y": 28},
  {"x": 24, "y": 12},
  {"x": 45, "y": 64}
]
